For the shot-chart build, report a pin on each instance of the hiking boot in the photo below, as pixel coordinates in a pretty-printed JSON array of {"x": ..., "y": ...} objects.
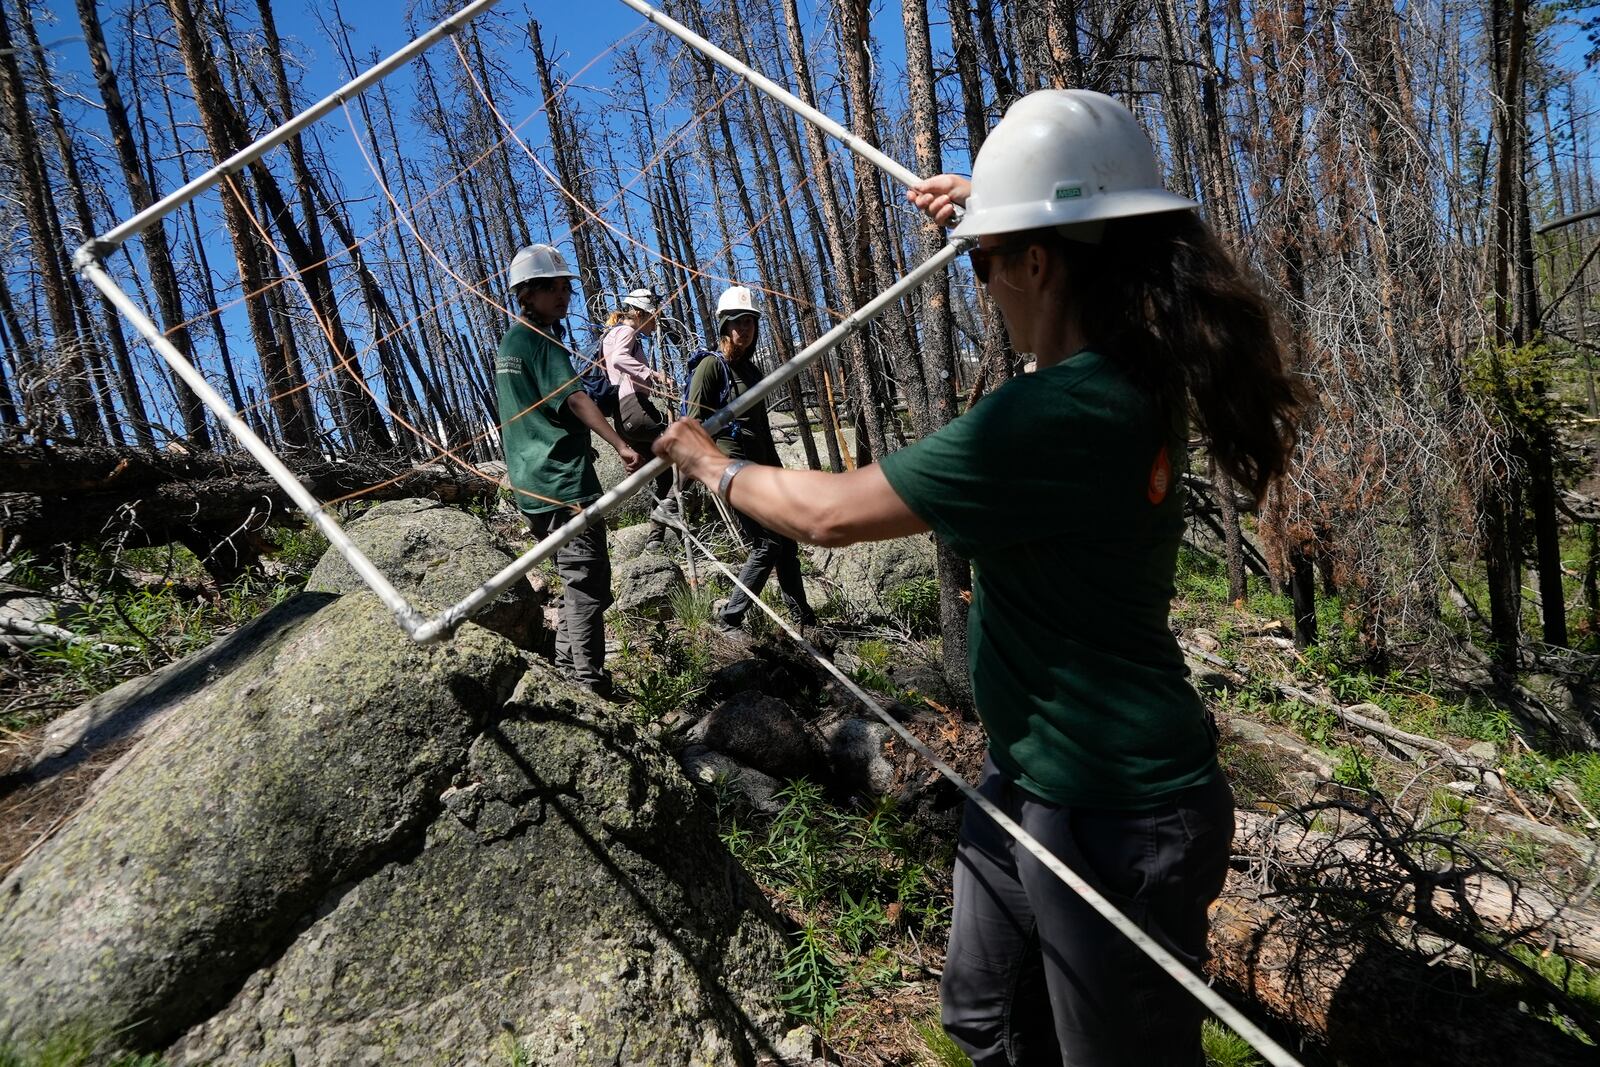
[
  {"x": 665, "y": 513},
  {"x": 606, "y": 690}
]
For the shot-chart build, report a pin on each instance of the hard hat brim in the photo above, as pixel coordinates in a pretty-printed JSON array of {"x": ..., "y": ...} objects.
[{"x": 1012, "y": 218}]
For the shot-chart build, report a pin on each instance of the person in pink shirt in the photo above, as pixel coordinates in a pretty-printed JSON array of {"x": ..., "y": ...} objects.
[{"x": 638, "y": 384}]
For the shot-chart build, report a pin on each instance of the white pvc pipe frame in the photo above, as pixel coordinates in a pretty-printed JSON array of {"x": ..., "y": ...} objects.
[{"x": 89, "y": 262}]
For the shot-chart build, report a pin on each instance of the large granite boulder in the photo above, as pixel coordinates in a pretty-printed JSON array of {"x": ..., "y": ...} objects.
[
  {"x": 867, "y": 576},
  {"x": 435, "y": 555},
  {"x": 347, "y": 848},
  {"x": 201, "y": 851},
  {"x": 571, "y": 905}
]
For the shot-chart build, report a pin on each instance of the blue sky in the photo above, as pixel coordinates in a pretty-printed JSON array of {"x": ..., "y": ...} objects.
[{"x": 574, "y": 32}]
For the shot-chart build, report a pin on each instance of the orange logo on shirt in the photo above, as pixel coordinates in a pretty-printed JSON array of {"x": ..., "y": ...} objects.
[{"x": 1160, "y": 477}]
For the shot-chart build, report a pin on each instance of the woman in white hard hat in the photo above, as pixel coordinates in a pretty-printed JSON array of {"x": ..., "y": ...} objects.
[
  {"x": 546, "y": 420},
  {"x": 638, "y": 418},
  {"x": 718, "y": 379},
  {"x": 1062, "y": 486}
]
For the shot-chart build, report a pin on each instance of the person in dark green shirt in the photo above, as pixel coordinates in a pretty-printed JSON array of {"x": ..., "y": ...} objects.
[
  {"x": 546, "y": 420},
  {"x": 1062, "y": 488},
  {"x": 720, "y": 378}
]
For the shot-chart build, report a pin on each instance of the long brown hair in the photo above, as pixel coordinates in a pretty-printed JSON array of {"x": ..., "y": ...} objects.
[{"x": 1161, "y": 296}]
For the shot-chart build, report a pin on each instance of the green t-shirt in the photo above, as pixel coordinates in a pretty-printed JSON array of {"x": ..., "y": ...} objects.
[
  {"x": 717, "y": 383},
  {"x": 1062, "y": 488},
  {"x": 547, "y": 448}
]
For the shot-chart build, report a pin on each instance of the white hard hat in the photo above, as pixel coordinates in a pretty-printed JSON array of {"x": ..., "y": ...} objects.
[
  {"x": 644, "y": 299},
  {"x": 538, "y": 261},
  {"x": 735, "y": 301},
  {"x": 1063, "y": 156}
]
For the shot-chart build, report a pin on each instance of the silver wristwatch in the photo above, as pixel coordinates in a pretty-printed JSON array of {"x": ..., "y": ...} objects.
[{"x": 727, "y": 477}]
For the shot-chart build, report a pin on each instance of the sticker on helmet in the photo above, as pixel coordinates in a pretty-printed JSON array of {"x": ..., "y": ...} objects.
[
  {"x": 1160, "y": 477},
  {"x": 1069, "y": 190}
]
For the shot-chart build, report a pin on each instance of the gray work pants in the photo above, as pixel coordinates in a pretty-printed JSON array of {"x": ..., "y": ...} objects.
[
  {"x": 1034, "y": 976},
  {"x": 769, "y": 551},
  {"x": 584, "y": 564}
]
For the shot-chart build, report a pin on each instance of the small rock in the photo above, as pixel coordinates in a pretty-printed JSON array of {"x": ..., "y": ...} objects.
[
  {"x": 1371, "y": 711},
  {"x": 1204, "y": 640},
  {"x": 761, "y": 731},
  {"x": 645, "y": 585},
  {"x": 1485, "y": 752},
  {"x": 705, "y": 767},
  {"x": 855, "y": 752},
  {"x": 629, "y": 542}
]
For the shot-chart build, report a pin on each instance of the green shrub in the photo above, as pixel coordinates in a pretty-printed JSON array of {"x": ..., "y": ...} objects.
[
  {"x": 915, "y": 603},
  {"x": 298, "y": 549}
]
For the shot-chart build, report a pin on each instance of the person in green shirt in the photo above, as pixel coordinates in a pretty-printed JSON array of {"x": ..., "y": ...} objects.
[
  {"x": 720, "y": 378},
  {"x": 1062, "y": 488},
  {"x": 546, "y": 420}
]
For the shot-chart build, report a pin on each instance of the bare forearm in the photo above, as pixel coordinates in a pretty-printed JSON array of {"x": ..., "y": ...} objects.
[
  {"x": 590, "y": 415},
  {"x": 816, "y": 507}
]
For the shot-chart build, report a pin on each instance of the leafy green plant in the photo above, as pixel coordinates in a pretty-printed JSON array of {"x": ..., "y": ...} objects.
[
  {"x": 810, "y": 977},
  {"x": 298, "y": 549},
  {"x": 859, "y": 921},
  {"x": 1354, "y": 769},
  {"x": 1315, "y": 724},
  {"x": 916, "y": 604},
  {"x": 872, "y": 668},
  {"x": 658, "y": 692},
  {"x": 1449, "y": 810}
]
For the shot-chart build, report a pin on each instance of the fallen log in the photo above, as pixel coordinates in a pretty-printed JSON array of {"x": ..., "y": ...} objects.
[
  {"x": 1365, "y": 965},
  {"x": 1503, "y": 908},
  {"x": 1369, "y": 1001},
  {"x": 218, "y": 506}
]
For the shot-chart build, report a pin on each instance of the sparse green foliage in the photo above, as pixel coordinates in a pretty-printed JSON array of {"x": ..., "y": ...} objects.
[
  {"x": 664, "y": 676},
  {"x": 71, "y": 1048},
  {"x": 132, "y": 629},
  {"x": 298, "y": 549},
  {"x": 1573, "y": 978},
  {"x": 691, "y": 607},
  {"x": 851, "y": 879},
  {"x": 944, "y": 1052},
  {"x": 1354, "y": 769},
  {"x": 1514, "y": 380},
  {"x": 1449, "y": 811},
  {"x": 872, "y": 670},
  {"x": 915, "y": 604},
  {"x": 1224, "y": 1048}
]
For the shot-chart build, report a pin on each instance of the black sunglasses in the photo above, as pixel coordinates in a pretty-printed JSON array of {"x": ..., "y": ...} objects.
[{"x": 983, "y": 258}]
